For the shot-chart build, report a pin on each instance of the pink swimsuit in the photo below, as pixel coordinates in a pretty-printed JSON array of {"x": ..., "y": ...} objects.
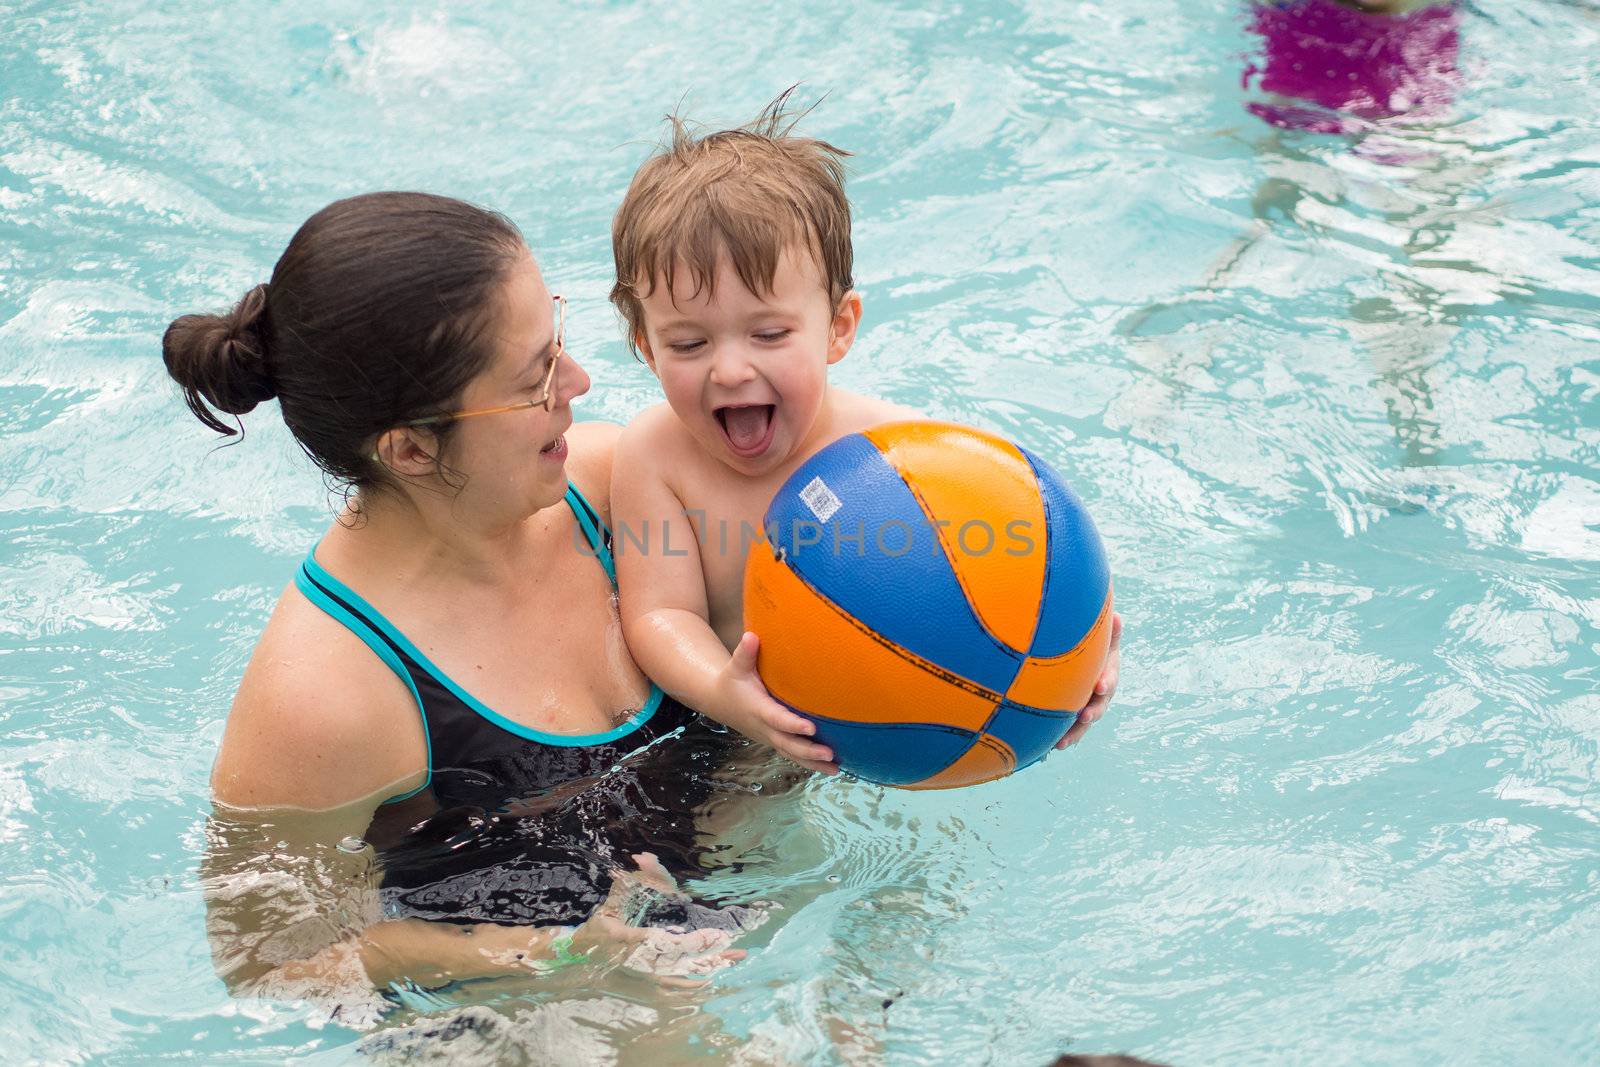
[{"x": 1354, "y": 66}]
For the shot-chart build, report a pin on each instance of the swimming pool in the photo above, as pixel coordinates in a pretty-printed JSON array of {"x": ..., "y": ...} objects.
[{"x": 1336, "y": 413}]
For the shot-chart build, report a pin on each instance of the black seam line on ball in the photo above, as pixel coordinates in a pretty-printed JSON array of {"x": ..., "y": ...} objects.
[{"x": 906, "y": 654}]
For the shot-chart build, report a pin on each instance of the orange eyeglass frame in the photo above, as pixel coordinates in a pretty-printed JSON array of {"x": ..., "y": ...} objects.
[{"x": 546, "y": 388}]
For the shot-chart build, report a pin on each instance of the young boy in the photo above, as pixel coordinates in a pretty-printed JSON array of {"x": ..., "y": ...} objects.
[{"x": 734, "y": 279}]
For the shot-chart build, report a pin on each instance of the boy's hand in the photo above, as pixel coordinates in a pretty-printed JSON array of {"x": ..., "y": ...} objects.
[
  {"x": 1104, "y": 688},
  {"x": 744, "y": 704}
]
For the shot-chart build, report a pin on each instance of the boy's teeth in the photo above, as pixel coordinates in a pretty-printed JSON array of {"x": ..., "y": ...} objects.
[{"x": 746, "y": 426}]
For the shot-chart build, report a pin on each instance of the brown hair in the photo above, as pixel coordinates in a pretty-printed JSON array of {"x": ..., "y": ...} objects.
[
  {"x": 374, "y": 316},
  {"x": 749, "y": 191}
]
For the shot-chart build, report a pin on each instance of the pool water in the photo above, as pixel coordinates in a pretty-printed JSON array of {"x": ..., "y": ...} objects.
[{"x": 1336, "y": 411}]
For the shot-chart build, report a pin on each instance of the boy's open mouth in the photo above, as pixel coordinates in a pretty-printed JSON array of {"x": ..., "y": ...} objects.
[{"x": 747, "y": 428}]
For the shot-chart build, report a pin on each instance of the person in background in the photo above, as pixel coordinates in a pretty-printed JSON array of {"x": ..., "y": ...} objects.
[
  {"x": 1353, "y": 62},
  {"x": 1381, "y": 75}
]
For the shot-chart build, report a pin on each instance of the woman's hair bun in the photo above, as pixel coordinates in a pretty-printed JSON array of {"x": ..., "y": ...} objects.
[{"x": 221, "y": 360}]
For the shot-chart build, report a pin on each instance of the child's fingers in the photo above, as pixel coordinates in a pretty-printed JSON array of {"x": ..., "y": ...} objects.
[
  {"x": 1104, "y": 688},
  {"x": 802, "y": 751},
  {"x": 781, "y": 720},
  {"x": 1106, "y": 684},
  {"x": 819, "y": 766},
  {"x": 1086, "y": 718},
  {"x": 744, "y": 654}
]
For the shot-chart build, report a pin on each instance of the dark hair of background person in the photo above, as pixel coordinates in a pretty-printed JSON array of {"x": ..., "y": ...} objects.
[{"x": 375, "y": 314}]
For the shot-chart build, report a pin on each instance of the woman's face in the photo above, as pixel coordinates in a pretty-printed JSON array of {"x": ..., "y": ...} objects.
[{"x": 514, "y": 462}]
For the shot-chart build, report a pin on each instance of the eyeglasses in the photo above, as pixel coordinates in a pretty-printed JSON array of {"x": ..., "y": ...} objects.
[{"x": 546, "y": 387}]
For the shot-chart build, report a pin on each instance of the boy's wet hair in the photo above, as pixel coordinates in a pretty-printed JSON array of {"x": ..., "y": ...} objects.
[{"x": 750, "y": 192}]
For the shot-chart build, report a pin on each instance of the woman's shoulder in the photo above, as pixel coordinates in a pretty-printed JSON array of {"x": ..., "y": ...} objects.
[
  {"x": 319, "y": 720},
  {"x": 591, "y": 447}
]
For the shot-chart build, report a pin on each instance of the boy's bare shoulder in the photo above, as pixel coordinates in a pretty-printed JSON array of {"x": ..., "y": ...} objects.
[
  {"x": 654, "y": 427},
  {"x": 655, "y": 442},
  {"x": 855, "y": 412}
]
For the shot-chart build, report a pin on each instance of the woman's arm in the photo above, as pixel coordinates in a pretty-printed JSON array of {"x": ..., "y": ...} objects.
[
  {"x": 293, "y": 912},
  {"x": 292, "y": 916},
  {"x": 320, "y": 734}
]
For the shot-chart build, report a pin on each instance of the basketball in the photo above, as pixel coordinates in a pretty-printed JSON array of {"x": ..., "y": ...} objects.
[{"x": 935, "y": 599}]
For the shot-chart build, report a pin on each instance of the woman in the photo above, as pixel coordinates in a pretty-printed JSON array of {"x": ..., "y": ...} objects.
[{"x": 440, "y": 721}]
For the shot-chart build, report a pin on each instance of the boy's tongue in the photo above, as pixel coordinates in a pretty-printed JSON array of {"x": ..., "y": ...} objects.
[{"x": 746, "y": 426}]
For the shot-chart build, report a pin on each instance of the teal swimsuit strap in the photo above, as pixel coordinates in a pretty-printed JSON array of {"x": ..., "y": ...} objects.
[
  {"x": 366, "y": 622},
  {"x": 342, "y": 604},
  {"x": 594, "y": 529}
]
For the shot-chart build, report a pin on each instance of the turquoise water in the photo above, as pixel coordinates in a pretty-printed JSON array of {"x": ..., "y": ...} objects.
[{"x": 1338, "y": 420}]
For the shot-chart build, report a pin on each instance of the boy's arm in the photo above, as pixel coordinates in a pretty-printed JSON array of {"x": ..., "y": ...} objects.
[{"x": 665, "y": 614}]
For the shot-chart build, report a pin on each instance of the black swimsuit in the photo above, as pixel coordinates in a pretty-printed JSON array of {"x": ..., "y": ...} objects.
[{"x": 512, "y": 824}]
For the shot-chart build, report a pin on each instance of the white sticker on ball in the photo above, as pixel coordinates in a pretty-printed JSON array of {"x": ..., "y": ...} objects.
[{"x": 820, "y": 499}]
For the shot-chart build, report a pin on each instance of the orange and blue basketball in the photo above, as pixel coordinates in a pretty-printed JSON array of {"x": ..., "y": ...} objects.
[{"x": 935, "y": 599}]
